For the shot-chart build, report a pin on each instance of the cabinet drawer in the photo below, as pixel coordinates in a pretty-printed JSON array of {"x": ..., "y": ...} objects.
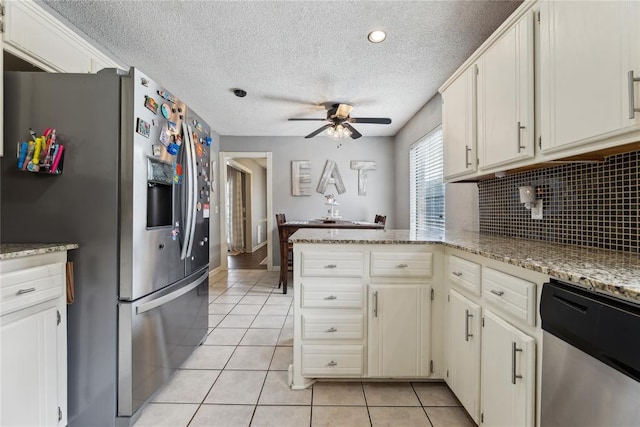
[
  {"x": 332, "y": 327},
  {"x": 510, "y": 293},
  {"x": 465, "y": 274},
  {"x": 30, "y": 286},
  {"x": 332, "y": 264},
  {"x": 332, "y": 295},
  {"x": 401, "y": 264},
  {"x": 332, "y": 361}
]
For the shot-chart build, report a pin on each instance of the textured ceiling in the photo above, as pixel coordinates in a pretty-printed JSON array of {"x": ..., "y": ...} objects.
[{"x": 292, "y": 57}]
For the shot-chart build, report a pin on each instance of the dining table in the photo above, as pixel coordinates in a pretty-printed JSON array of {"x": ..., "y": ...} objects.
[{"x": 289, "y": 227}]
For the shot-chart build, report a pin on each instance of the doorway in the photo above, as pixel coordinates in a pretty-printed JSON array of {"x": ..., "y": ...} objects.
[{"x": 246, "y": 239}]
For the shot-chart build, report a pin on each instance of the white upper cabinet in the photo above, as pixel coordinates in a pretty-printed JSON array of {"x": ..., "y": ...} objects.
[
  {"x": 459, "y": 125},
  {"x": 587, "y": 51},
  {"x": 33, "y": 34},
  {"x": 505, "y": 97}
]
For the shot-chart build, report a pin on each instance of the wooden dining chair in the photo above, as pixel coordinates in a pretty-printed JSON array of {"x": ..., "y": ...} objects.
[
  {"x": 286, "y": 257},
  {"x": 380, "y": 219}
]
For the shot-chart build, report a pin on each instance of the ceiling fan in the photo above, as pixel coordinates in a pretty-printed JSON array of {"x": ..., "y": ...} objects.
[{"x": 339, "y": 125}]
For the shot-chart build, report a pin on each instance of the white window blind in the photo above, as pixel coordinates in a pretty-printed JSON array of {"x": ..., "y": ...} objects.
[{"x": 427, "y": 188}]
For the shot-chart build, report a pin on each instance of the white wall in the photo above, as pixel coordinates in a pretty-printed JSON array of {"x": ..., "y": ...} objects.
[
  {"x": 381, "y": 182},
  {"x": 258, "y": 201},
  {"x": 461, "y": 209}
]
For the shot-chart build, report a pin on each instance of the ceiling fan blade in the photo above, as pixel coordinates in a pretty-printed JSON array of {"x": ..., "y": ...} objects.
[
  {"x": 354, "y": 133},
  {"x": 300, "y": 120},
  {"x": 375, "y": 120},
  {"x": 312, "y": 134}
]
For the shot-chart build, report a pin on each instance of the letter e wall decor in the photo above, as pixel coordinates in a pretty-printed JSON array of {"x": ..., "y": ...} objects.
[{"x": 300, "y": 177}]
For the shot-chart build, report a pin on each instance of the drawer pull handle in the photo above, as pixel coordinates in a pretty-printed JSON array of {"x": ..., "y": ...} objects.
[
  {"x": 331, "y": 329},
  {"x": 514, "y": 350},
  {"x": 331, "y": 297},
  {"x": 330, "y": 266},
  {"x": 25, "y": 291},
  {"x": 402, "y": 266},
  {"x": 499, "y": 293},
  {"x": 332, "y": 363},
  {"x": 457, "y": 273}
]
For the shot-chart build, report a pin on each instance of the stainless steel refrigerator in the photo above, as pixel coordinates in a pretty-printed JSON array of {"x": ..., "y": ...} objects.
[{"x": 134, "y": 194}]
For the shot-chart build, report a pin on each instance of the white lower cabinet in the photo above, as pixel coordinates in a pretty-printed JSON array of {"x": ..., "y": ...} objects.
[
  {"x": 33, "y": 338},
  {"x": 508, "y": 374},
  {"x": 29, "y": 367},
  {"x": 399, "y": 330},
  {"x": 463, "y": 364}
]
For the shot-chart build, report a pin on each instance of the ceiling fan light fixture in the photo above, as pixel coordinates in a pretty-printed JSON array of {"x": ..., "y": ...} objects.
[
  {"x": 338, "y": 132},
  {"x": 377, "y": 36}
]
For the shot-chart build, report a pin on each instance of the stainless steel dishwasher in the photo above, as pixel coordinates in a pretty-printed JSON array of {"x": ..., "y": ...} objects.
[{"x": 590, "y": 358}]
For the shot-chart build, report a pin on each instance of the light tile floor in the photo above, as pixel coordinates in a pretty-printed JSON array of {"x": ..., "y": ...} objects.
[{"x": 238, "y": 377}]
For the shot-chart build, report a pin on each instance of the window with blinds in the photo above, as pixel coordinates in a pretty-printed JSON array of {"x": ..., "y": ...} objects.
[{"x": 427, "y": 187}]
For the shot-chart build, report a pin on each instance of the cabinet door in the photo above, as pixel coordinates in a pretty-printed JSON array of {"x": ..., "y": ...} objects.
[
  {"x": 587, "y": 50},
  {"x": 459, "y": 125},
  {"x": 508, "y": 374},
  {"x": 30, "y": 367},
  {"x": 505, "y": 97},
  {"x": 399, "y": 330},
  {"x": 463, "y": 352}
]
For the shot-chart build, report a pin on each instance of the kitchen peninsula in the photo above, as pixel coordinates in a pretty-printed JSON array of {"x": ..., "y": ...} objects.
[{"x": 375, "y": 304}]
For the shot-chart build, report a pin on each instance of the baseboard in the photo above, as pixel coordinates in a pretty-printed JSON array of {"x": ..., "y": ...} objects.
[
  {"x": 258, "y": 246},
  {"x": 215, "y": 271}
]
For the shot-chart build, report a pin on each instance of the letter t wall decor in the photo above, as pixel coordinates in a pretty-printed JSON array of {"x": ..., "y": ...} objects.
[
  {"x": 331, "y": 175},
  {"x": 362, "y": 167}
]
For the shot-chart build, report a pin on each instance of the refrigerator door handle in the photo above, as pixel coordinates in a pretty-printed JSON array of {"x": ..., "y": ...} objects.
[
  {"x": 170, "y": 297},
  {"x": 193, "y": 178},
  {"x": 187, "y": 231}
]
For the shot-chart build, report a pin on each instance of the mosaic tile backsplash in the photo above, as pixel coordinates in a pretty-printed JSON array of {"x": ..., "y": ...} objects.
[{"x": 585, "y": 204}]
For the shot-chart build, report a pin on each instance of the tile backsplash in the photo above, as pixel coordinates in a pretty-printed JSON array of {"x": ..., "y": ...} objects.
[{"x": 585, "y": 204}]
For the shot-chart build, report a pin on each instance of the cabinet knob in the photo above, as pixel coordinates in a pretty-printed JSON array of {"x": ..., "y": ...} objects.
[
  {"x": 332, "y": 363},
  {"x": 499, "y": 293},
  {"x": 331, "y": 297},
  {"x": 330, "y": 266},
  {"x": 402, "y": 266},
  {"x": 457, "y": 273},
  {"x": 331, "y": 329}
]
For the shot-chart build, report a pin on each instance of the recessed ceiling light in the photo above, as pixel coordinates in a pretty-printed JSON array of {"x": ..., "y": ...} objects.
[{"x": 377, "y": 36}]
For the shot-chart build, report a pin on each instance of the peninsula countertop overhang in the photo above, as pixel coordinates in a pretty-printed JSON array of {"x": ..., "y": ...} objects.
[
  {"x": 608, "y": 272},
  {"x": 17, "y": 250}
]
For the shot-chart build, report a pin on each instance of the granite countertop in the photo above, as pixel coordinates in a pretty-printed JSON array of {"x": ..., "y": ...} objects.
[
  {"x": 609, "y": 272},
  {"x": 16, "y": 250}
]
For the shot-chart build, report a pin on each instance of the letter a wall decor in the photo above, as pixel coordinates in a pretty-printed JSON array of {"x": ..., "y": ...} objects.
[{"x": 331, "y": 175}]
